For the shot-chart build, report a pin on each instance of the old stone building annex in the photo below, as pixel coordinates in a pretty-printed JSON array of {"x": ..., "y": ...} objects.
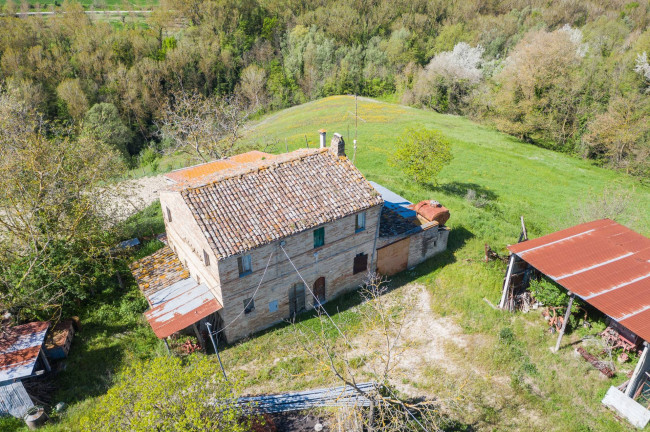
[{"x": 257, "y": 238}]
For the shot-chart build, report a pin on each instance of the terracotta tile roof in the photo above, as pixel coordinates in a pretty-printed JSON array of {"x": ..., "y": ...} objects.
[
  {"x": 199, "y": 174},
  {"x": 273, "y": 199},
  {"x": 158, "y": 270},
  {"x": 604, "y": 263}
]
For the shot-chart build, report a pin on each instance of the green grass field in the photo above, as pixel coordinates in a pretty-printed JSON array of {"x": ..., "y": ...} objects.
[
  {"x": 96, "y": 4},
  {"x": 507, "y": 377}
]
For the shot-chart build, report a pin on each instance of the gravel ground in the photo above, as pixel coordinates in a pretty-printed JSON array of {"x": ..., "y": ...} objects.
[{"x": 131, "y": 196}]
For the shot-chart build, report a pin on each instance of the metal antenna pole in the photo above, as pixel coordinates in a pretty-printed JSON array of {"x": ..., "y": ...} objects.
[{"x": 216, "y": 350}]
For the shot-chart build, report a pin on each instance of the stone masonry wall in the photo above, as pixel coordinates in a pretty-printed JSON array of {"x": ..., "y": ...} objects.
[
  {"x": 334, "y": 261},
  {"x": 427, "y": 243},
  {"x": 187, "y": 240}
]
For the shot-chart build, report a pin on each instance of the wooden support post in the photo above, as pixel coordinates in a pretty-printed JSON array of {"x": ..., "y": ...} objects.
[
  {"x": 506, "y": 283},
  {"x": 564, "y": 323},
  {"x": 198, "y": 336},
  {"x": 639, "y": 372},
  {"x": 44, "y": 359}
]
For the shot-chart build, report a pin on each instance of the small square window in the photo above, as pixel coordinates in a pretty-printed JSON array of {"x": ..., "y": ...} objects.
[
  {"x": 360, "y": 223},
  {"x": 244, "y": 264},
  {"x": 319, "y": 237},
  {"x": 206, "y": 258},
  {"x": 360, "y": 263},
  {"x": 273, "y": 306},
  {"x": 249, "y": 305},
  {"x": 169, "y": 214}
]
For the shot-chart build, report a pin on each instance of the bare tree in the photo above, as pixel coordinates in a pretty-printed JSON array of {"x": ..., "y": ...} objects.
[
  {"x": 205, "y": 127},
  {"x": 387, "y": 412}
]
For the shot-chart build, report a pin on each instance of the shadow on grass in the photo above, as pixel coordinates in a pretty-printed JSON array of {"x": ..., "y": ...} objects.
[
  {"x": 458, "y": 236},
  {"x": 460, "y": 189}
]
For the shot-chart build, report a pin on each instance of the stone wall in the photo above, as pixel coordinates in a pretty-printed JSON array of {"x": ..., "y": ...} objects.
[
  {"x": 427, "y": 243},
  {"x": 186, "y": 239},
  {"x": 333, "y": 261}
]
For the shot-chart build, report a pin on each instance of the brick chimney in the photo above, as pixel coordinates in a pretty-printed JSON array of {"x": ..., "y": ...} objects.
[
  {"x": 337, "y": 147},
  {"x": 323, "y": 139}
]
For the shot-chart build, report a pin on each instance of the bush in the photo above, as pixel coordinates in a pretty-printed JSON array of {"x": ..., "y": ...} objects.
[{"x": 422, "y": 154}]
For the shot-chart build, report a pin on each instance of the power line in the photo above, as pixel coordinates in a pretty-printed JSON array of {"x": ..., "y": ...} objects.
[{"x": 250, "y": 301}]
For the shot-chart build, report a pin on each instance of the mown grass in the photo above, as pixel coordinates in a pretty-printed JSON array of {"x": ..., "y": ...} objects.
[{"x": 507, "y": 378}]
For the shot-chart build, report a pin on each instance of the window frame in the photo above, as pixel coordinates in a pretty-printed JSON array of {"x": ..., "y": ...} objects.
[
  {"x": 319, "y": 232},
  {"x": 354, "y": 263},
  {"x": 249, "y": 305},
  {"x": 241, "y": 265},
  {"x": 169, "y": 214},
  {"x": 360, "y": 227},
  {"x": 206, "y": 258}
]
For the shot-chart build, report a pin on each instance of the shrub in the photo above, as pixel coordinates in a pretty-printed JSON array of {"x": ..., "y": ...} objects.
[{"x": 422, "y": 154}]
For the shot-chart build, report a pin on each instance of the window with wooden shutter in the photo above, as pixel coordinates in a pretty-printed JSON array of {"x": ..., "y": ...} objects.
[
  {"x": 296, "y": 299},
  {"x": 360, "y": 263},
  {"x": 319, "y": 237}
]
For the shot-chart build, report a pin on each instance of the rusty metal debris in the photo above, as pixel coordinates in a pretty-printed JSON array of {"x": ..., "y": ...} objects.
[{"x": 596, "y": 363}]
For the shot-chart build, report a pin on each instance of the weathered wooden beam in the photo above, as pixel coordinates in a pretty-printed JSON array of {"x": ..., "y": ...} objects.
[
  {"x": 506, "y": 283},
  {"x": 564, "y": 323}
]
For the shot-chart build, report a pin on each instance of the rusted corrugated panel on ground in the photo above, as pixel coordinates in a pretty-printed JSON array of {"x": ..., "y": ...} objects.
[
  {"x": 179, "y": 306},
  {"x": 19, "y": 348},
  {"x": 604, "y": 263}
]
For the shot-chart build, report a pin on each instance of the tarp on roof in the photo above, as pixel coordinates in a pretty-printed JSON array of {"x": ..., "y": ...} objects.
[
  {"x": 602, "y": 262},
  {"x": 14, "y": 400},
  {"x": 19, "y": 348}
]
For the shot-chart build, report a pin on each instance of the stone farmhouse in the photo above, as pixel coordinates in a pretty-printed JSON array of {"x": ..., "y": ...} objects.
[{"x": 255, "y": 239}]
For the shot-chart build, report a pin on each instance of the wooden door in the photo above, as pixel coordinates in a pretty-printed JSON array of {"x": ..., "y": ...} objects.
[
  {"x": 319, "y": 290},
  {"x": 393, "y": 258},
  {"x": 296, "y": 299}
]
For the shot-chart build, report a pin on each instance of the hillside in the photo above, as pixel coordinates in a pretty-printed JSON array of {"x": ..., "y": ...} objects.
[
  {"x": 545, "y": 187},
  {"x": 494, "y": 369}
]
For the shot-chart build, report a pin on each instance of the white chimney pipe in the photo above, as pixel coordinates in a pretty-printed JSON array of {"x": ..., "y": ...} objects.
[{"x": 323, "y": 141}]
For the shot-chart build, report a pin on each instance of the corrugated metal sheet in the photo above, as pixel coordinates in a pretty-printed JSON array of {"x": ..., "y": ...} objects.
[
  {"x": 179, "y": 306},
  {"x": 14, "y": 400},
  {"x": 604, "y": 263},
  {"x": 19, "y": 348},
  {"x": 394, "y": 202}
]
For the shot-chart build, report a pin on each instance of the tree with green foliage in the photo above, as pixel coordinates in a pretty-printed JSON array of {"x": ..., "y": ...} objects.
[
  {"x": 422, "y": 154},
  {"x": 168, "y": 394},
  {"x": 102, "y": 122},
  {"x": 54, "y": 241}
]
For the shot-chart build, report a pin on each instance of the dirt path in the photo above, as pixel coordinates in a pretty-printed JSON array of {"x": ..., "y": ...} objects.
[{"x": 131, "y": 196}]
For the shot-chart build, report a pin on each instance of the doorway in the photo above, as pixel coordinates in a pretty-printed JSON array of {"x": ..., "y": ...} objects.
[
  {"x": 296, "y": 299},
  {"x": 319, "y": 291}
]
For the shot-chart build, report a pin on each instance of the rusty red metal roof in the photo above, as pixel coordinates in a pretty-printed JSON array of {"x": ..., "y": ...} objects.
[
  {"x": 179, "y": 306},
  {"x": 602, "y": 262},
  {"x": 177, "y": 300},
  {"x": 19, "y": 348}
]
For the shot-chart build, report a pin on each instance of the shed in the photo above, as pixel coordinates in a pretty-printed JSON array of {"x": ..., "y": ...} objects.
[
  {"x": 21, "y": 354},
  {"x": 608, "y": 266}
]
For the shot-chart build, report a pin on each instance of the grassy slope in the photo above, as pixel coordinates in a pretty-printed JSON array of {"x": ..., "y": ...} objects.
[
  {"x": 520, "y": 179},
  {"x": 507, "y": 382}
]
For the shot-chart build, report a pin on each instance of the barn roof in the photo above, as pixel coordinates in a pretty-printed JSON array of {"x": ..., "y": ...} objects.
[
  {"x": 177, "y": 300},
  {"x": 274, "y": 198},
  {"x": 604, "y": 263},
  {"x": 19, "y": 349}
]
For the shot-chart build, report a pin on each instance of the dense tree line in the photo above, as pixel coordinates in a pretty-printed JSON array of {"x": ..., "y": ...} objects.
[{"x": 569, "y": 75}]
